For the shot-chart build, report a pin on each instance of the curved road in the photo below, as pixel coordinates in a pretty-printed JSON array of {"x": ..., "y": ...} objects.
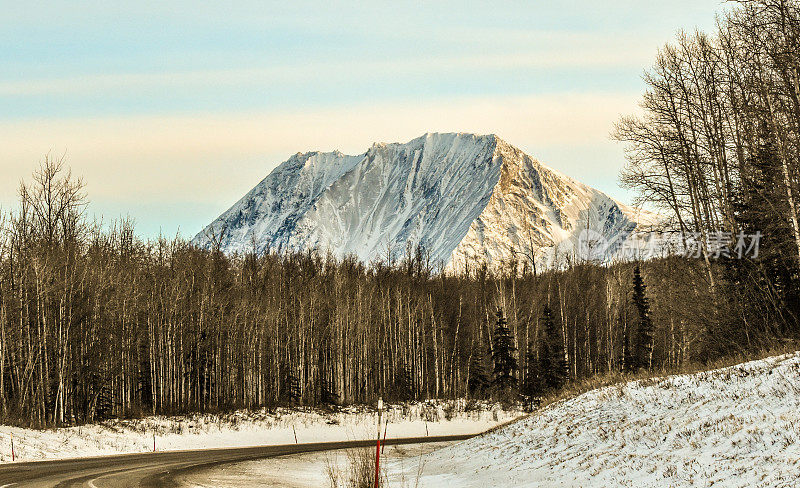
[{"x": 155, "y": 470}]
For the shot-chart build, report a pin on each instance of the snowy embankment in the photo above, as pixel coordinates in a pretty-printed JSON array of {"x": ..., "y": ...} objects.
[
  {"x": 733, "y": 427},
  {"x": 241, "y": 429}
]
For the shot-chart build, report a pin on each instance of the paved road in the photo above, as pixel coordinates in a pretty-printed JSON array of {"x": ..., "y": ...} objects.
[{"x": 156, "y": 470}]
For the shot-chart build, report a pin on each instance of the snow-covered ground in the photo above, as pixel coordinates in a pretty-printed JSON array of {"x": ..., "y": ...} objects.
[
  {"x": 733, "y": 427},
  {"x": 311, "y": 470},
  {"x": 250, "y": 429}
]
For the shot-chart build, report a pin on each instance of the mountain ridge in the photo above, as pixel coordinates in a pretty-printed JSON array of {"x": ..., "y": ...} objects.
[{"x": 467, "y": 199}]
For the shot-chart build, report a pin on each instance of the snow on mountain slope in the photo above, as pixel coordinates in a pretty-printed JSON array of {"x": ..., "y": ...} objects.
[
  {"x": 464, "y": 198},
  {"x": 733, "y": 427}
]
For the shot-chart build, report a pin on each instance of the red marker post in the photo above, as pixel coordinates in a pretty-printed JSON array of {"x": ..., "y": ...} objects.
[
  {"x": 385, "y": 428},
  {"x": 13, "y": 454},
  {"x": 378, "y": 448}
]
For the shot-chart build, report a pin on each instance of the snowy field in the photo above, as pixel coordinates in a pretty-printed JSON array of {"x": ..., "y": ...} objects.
[
  {"x": 733, "y": 427},
  {"x": 250, "y": 429}
]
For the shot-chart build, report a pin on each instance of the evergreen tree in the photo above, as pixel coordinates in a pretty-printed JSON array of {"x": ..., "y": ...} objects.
[
  {"x": 760, "y": 207},
  {"x": 552, "y": 362},
  {"x": 404, "y": 385},
  {"x": 145, "y": 378},
  {"x": 478, "y": 381},
  {"x": 643, "y": 356},
  {"x": 505, "y": 360},
  {"x": 628, "y": 361},
  {"x": 533, "y": 386},
  {"x": 293, "y": 391},
  {"x": 104, "y": 409}
]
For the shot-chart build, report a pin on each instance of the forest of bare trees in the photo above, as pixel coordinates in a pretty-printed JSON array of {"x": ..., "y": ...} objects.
[
  {"x": 95, "y": 322},
  {"x": 717, "y": 149}
]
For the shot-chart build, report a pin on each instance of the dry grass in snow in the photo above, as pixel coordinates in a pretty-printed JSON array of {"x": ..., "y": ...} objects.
[{"x": 734, "y": 427}]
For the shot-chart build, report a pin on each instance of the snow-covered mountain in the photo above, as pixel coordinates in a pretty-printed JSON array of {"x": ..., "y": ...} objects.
[{"x": 465, "y": 199}]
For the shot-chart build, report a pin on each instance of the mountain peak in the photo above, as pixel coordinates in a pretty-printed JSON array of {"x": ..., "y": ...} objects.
[{"x": 465, "y": 198}]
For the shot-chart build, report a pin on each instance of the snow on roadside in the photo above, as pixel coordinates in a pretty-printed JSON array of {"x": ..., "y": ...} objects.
[
  {"x": 309, "y": 470},
  {"x": 733, "y": 427},
  {"x": 242, "y": 429}
]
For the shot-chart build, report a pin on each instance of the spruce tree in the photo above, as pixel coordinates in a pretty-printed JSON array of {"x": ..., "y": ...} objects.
[
  {"x": 503, "y": 354},
  {"x": 478, "y": 380},
  {"x": 628, "y": 361},
  {"x": 404, "y": 384},
  {"x": 104, "y": 408},
  {"x": 534, "y": 385},
  {"x": 145, "y": 378},
  {"x": 553, "y": 363},
  {"x": 292, "y": 389},
  {"x": 643, "y": 357},
  {"x": 759, "y": 205}
]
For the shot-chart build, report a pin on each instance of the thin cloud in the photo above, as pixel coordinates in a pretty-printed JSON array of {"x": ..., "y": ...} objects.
[{"x": 596, "y": 54}]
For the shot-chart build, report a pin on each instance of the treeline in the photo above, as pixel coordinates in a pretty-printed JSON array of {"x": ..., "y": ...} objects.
[
  {"x": 98, "y": 323},
  {"x": 717, "y": 149}
]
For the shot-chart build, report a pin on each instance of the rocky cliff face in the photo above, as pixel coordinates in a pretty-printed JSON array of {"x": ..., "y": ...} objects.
[{"x": 466, "y": 199}]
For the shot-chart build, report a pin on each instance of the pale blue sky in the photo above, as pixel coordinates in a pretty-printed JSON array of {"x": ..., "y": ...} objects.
[{"x": 173, "y": 110}]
